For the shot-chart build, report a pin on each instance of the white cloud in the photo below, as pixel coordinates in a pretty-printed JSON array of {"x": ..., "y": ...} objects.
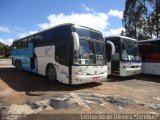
[
  {"x": 97, "y": 21},
  {"x": 114, "y": 31},
  {"x": 9, "y": 41},
  {"x": 90, "y": 19},
  {"x": 88, "y": 9},
  {"x": 6, "y": 41},
  {"x": 4, "y": 29},
  {"x": 27, "y": 33},
  {"x": 115, "y": 13},
  {"x": 32, "y": 32}
]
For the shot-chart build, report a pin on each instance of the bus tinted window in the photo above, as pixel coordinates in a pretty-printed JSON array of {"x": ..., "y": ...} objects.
[
  {"x": 49, "y": 36},
  {"x": 38, "y": 40},
  {"x": 19, "y": 44},
  {"x": 62, "y": 33},
  {"x": 150, "y": 51},
  {"x": 64, "y": 54},
  {"x": 14, "y": 45},
  {"x": 31, "y": 39},
  {"x": 24, "y": 43},
  {"x": 108, "y": 50},
  {"x": 88, "y": 33}
]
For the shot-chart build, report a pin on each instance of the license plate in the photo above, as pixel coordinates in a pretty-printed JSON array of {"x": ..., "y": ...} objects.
[{"x": 96, "y": 79}]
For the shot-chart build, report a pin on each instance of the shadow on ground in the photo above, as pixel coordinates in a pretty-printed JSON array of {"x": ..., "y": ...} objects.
[
  {"x": 113, "y": 78},
  {"x": 29, "y": 82},
  {"x": 147, "y": 77},
  {"x": 141, "y": 77}
]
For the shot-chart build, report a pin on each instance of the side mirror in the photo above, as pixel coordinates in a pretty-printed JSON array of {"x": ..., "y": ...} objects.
[
  {"x": 111, "y": 54},
  {"x": 112, "y": 47},
  {"x": 75, "y": 41}
]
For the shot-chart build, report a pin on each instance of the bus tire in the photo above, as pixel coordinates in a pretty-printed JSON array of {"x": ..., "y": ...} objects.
[
  {"x": 51, "y": 73},
  {"x": 16, "y": 64},
  {"x": 19, "y": 65}
]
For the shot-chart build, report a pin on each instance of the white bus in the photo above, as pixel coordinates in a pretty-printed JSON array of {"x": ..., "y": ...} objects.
[
  {"x": 125, "y": 61},
  {"x": 150, "y": 54},
  {"x": 69, "y": 53}
]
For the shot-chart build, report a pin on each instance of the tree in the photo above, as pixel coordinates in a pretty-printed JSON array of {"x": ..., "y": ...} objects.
[
  {"x": 122, "y": 33},
  {"x": 141, "y": 18},
  {"x": 132, "y": 17},
  {"x": 4, "y": 50},
  {"x": 155, "y": 16},
  {"x": 147, "y": 19}
]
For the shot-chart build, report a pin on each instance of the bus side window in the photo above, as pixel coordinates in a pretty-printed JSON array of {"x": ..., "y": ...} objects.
[
  {"x": 64, "y": 54},
  {"x": 31, "y": 39},
  {"x": 62, "y": 45},
  {"x": 38, "y": 40},
  {"x": 62, "y": 33},
  {"x": 49, "y": 37},
  {"x": 24, "y": 43},
  {"x": 19, "y": 44},
  {"x": 14, "y": 45}
]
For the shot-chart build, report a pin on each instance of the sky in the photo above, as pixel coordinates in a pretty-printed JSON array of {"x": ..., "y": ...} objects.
[{"x": 19, "y": 18}]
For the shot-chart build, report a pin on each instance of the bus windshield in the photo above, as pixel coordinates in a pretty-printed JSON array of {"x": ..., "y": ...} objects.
[
  {"x": 92, "y": 47},
  {"x": 130, "y": 50},
  {"x": 88, "y": 33}
]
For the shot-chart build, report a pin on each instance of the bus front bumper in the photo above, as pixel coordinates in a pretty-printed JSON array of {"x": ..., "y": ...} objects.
[
  {"x": 81, "y": 79},
  {"x": 130, "y": 72}
]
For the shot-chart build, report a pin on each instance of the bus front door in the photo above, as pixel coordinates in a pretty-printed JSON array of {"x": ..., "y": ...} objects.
[{"x": 115, "y": 62}]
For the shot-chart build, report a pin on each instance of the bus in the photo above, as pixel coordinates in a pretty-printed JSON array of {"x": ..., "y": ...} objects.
[
  {"x": 68, "y": 53},
  {"x": 150, "y": 54},
  {"x": 125, "y": 60}
]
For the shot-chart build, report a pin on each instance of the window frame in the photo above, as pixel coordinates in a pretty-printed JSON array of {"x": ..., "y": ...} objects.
[
  {"x": 67, "y": 41},
  {"x": 24, "y": 46},
  {"x": 51, "y": 35}
]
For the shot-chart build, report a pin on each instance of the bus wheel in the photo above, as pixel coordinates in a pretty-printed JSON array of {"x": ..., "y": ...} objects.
[
  {"x": 16, "y": 64},
  {"x": 51, "y": 74},
  {"x": 19, "y": 65}
]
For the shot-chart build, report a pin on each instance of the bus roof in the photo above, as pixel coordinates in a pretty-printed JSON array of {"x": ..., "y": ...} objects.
[
  {"x": 55, "y": 27},
  {"x": 121, "y": 37},
  {"x": 149, "y": 40}
]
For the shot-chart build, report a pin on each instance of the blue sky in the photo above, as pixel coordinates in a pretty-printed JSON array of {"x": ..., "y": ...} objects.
[{"x": 23, "y": 17}]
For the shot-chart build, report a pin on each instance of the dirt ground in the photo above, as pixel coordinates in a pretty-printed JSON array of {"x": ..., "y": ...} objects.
[{"x": 136, "y": 94}]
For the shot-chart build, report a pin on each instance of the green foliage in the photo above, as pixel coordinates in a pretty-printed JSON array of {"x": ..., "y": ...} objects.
[
  {"x": 122, "y": 33},
  {"x": 4, "y": 50},
  {"x": 141, "y": 18}
]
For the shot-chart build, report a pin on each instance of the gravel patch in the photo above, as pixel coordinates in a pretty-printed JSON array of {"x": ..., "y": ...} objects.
[
  {"x": 102, "y": 99},
  {"x": 153, "y": 106},
  {"x": 20, "y": 109},
  {"x": 17, "y": 111},
  {"x": 73, "y": 101},
  {"x": 39, "y": 105},
  {"x": 90, "y": 98}
]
